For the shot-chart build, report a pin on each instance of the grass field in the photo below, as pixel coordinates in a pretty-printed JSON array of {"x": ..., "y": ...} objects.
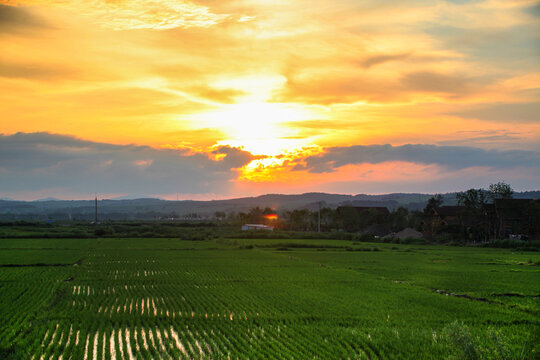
[{"x": 265, "y": 299}]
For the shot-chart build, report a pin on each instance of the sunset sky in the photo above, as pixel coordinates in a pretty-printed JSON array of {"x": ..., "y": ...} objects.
[{"x": 215, "y": 99}]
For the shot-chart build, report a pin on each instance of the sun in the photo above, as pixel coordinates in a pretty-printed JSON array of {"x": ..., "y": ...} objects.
[
  {"x": 254, "y": 122},
  {"x": 257, "y": 126}
]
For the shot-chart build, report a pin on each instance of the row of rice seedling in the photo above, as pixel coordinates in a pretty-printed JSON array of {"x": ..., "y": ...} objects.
[{"x": 150, "y": 303}]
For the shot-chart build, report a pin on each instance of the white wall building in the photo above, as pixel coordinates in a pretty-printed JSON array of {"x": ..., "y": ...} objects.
[{"x": 256, "y": 227}]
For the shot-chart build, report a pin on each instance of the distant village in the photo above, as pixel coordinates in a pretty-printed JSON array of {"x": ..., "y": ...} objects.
[
  {"x": 472, "y": 216},
  {"x": 480, "y": 216},
  {"x": 502, "y": 219}
]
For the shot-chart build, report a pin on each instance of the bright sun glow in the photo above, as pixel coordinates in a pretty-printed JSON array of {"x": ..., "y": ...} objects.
[
  {"x": 254, "y": 123},
  {"x": 257, "y": 126}
]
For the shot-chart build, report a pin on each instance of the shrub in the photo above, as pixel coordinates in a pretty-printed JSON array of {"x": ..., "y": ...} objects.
[
  {"x": 364, "y": 238},
  {"x": 460, "y": 339},
  {"x": 362, "y": 249},
  {"x": 100, "y": 232},
  {"x": 531, "y": 245}
]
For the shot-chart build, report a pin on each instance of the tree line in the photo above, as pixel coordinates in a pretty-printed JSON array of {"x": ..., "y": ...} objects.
[{"x": 475, "y": 218}]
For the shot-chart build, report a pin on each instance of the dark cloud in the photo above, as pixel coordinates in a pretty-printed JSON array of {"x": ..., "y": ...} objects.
[
  {"x": 234, "y": 157},
  {"x": 15, "y": 19},
  {"x": 506, "y": 47},
  {"x": 452, "y": 157},
  {"x": 380, "y": 59},
  {"x": 331, "y": 90},
  {"x": 38, "y": 161},
  {"x": 495, "y": 137},
  {"x": 513, "y": 113},
  {"x": 327, "y": 89},
  {"x": 534, "y": 9},
  {"x": 435, "y": 82},
  {"x": 33, "y": 71}
]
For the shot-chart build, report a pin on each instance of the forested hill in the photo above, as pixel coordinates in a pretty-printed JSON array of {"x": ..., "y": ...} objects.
[{"x": 153, "y": 208}]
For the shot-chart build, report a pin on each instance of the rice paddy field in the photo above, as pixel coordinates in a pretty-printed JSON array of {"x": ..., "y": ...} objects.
[{"x": 265, "y": 299}]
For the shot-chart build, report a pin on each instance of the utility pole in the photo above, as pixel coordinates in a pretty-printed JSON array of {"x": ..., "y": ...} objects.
[
  {"x": 319, "y": 223},
  {"x": 96, "y": 211}
]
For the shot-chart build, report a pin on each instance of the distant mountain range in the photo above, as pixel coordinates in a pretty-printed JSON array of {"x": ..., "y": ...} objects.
[{"x": 152, "y": 208}]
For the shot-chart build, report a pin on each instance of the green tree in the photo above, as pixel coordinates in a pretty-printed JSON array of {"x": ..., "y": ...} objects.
[
  {"x": 298, "y": 219},
  {"x": 433, "y": 203},
  {"x": 416, "y": 219},
  {"x": 473, "y": 199},
  {"x": 220, "y": 215},
  {"x": 350, "y": 218},
  {"x": 534, "y": 213},
  {"x": 399, "y": 218},
  {"x": 329, "y": 219},
  {"x": 500, "y": 190},
  {"x": 371, "y": 217},
  {"x": 434, "y": 222},
  {"x": 354, "y": 220},
  {"x": 255, "y": 215},
  {"x": 473, "y": 216}
]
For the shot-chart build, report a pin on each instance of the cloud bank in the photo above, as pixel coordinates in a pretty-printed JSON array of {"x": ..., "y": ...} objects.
[
  {"x": 36, "y": 161},
  {"x": 46, "y": 164},
  {"x": 450, "y": 157}
]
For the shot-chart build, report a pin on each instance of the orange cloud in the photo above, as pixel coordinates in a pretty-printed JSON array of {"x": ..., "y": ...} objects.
[
  {"x": 203, "y": 74},
  {"x": 136, "y": 14}
]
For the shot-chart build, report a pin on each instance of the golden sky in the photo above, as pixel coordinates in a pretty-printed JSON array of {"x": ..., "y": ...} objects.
[{"x": 270, "y": 96}]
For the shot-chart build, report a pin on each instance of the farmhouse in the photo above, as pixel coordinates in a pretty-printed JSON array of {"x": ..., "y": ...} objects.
[
  {"x": 513, "y": 216},
  {"x": 447, "y": 215}
]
